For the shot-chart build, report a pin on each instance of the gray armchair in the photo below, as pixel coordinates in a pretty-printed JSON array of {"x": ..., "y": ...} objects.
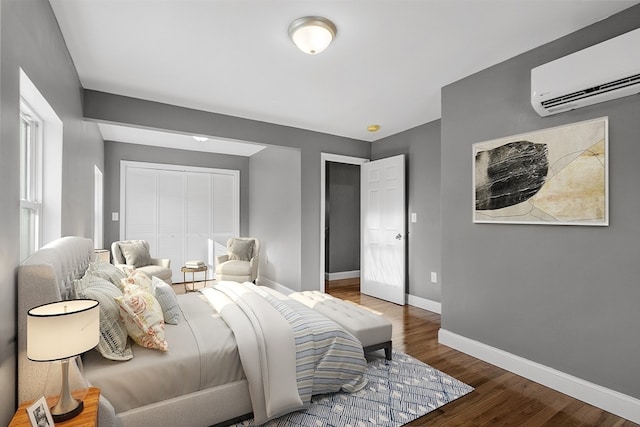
[
  {"x": 135, "y": 253},
  {"x": 241, "y": 262}
]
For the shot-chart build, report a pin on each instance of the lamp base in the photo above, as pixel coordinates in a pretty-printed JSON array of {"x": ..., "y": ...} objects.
[{"x": 58, "y": 418}]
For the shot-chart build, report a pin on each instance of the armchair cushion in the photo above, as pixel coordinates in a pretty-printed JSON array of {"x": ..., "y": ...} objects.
[
  {"x": 240, "y": 249},
  {"x": 135, "y": 253}
]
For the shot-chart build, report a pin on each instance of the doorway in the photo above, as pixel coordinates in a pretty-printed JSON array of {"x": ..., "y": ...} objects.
[
  {"x": 342, "y": 224},
  {"x": 339, "y": 168}
]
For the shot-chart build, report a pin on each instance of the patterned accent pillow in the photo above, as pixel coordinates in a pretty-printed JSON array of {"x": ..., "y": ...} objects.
[
  {"x": 142, "y": 317},
  {"x": 138, "y": 278},
  {"x": 113, "y": 344},
  {"x": 135, "y": 253},
  {"x": 240, "y": 249},
  {"x": 106, "y": 271},
  {"x": 166, "y": 296}
]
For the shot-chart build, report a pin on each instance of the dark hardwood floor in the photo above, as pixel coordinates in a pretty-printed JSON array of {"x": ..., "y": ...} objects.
[{"x": 500, "y": 398}]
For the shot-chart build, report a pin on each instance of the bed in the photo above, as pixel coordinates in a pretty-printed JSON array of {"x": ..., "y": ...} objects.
[{"x": 237, "y": 350}]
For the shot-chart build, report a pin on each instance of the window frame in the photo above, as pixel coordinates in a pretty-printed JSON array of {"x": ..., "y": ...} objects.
[{"x": 31, "y": 176}]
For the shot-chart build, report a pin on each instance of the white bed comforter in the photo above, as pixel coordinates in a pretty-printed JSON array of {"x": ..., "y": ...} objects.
[{"x": 288, "y": 351}]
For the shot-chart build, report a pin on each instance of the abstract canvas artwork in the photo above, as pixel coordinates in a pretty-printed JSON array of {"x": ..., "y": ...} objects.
[{"x": 552, "y": 176}]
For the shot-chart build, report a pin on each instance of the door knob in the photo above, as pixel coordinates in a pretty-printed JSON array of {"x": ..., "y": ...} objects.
[{"x": 398, "y": 236}]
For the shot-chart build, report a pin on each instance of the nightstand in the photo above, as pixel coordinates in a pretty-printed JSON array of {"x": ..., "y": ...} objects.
[{"x": 87, "y": 418}]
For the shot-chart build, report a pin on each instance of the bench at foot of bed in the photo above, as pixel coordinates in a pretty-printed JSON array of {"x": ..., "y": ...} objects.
[{"x": 371, "y": 329}]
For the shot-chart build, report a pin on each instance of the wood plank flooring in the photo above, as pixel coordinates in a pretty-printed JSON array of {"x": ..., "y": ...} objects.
[{"x": 500, "y": 398}]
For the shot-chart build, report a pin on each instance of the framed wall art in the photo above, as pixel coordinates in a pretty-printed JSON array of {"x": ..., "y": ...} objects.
[{"x": 556, "y": 176}]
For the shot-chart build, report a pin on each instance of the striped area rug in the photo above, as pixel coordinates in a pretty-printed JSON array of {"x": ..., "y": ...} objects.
[{"x": 398, "y": 391}]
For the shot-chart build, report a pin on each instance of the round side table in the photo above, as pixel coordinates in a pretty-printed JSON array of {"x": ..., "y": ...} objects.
[{"x": 193, "y": 272}]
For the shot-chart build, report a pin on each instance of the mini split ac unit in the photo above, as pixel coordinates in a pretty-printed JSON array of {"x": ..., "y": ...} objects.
[{"x": 599, "y": 73}]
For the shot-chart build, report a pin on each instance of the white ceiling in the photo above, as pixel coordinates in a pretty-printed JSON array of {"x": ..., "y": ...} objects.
[{"x": 386, "y": 66}]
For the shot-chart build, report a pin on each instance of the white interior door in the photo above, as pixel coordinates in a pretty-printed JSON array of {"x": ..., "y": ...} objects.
[{"x": 383, "y": 222}]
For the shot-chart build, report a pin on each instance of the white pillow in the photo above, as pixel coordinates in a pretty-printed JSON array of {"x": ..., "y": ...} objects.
[
  {"x": 113, "y": 343},
  {"x": 166, "y": 296},
  {"x": 106, "y": 271}
]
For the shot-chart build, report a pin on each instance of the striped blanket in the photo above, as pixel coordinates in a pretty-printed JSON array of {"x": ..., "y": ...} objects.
[{"x": 289, "y": 352}]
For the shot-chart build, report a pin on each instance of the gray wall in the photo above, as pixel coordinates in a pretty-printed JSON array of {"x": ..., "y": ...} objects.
[
  {"x": 30, "y": 38},
  {"x": 275, "y": 199},
  {"x": 563, "y": 296},
  {"x": 101, "y": 106},
  {"x": 421, "y": 145},
  {"x": 342, "y": 209},
  {"x": 114, "y": 152}
]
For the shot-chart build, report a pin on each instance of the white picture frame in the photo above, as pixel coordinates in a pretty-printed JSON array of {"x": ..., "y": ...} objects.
[{"x": 39, "y": 413}]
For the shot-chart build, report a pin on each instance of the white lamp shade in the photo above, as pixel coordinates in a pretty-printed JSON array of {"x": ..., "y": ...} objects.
[
  {"x": 62, "y": 329},
  {"x": 312, "y": 34}
]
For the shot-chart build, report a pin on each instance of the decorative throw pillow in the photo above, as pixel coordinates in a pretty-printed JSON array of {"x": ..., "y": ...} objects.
[
  {"x": 106, "y": 271},
  {"x": 138, "y": 278},
  {"x": 113, "y": 343},
  {"x": 240, "y": 249},
  {"x": 166, "y": 296},
  {"x": 142, "y": 317},
  {"x": 135, "y": 253}
]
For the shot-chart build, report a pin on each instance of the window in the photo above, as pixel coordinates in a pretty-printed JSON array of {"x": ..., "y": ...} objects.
[
  {"x": 40, "y": 169},
  {"x": 30, "y": 181},
  {"x": 97, "y": 207}
]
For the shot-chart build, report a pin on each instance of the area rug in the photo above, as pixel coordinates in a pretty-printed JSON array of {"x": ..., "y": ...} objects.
[{"x": 398, "y": 391}]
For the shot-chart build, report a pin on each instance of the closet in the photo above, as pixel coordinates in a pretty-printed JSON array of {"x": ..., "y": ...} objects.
[{"x": 182, "y": 211}]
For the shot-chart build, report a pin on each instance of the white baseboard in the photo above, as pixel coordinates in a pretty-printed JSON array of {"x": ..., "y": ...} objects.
[
  {"x": 425, "y": 304},
  {"x": 342, "y": 275},
  {"x": 609, "y": 400},
  {"x": 263, "y": 281}
]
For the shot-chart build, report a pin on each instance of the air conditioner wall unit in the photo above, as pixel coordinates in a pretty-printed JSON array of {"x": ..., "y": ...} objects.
[{"x": 599, "y": 73}]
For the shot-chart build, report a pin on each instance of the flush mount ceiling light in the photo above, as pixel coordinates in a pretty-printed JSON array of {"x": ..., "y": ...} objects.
[
  {"x": 373, "y": 128},
  {"x": 200, "y": 138},
  {"x": 312, "y": 34}
]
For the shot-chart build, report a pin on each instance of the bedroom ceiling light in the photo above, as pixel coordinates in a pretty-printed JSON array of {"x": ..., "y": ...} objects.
[
  {"x": 200, "y": 138},
  {"x": 61, "y": 331},
  {"x": 312, "y": 34},
  {"x": 373, "y": 128}
]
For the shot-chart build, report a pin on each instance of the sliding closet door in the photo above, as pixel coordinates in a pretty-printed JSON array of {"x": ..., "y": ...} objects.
[
  {"x": 199, "y": 216},
  {"x": 140, "y": 199},
  {"x": 182, "y": 211},
  {"x": 225, "y": 208},
  {"x": 171, "y": 200}
]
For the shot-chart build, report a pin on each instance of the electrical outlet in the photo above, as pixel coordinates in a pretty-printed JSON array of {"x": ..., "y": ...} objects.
[
  {"x": 434, "y": 277},
  {"x": 414, "y": 217},
  {"x": 114, "y": 216}
]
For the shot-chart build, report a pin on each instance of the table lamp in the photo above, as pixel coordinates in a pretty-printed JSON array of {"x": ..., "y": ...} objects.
[{"x": 61, "y": 331}]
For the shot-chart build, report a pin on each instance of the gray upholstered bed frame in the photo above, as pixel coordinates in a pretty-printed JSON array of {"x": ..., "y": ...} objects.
[{"x": 47, "y": 276}]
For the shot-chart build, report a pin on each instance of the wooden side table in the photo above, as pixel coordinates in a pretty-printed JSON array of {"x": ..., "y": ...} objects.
[
  {"x": 87, "y": 418},
  {"x": 193, "y": 272}
]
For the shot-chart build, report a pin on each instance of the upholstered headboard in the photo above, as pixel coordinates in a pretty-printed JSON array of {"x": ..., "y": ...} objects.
[{"x": 45, "y": 277}]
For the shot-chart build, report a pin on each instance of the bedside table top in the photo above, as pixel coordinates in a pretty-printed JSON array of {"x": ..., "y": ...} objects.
[{"x": 87, "y": 418}]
